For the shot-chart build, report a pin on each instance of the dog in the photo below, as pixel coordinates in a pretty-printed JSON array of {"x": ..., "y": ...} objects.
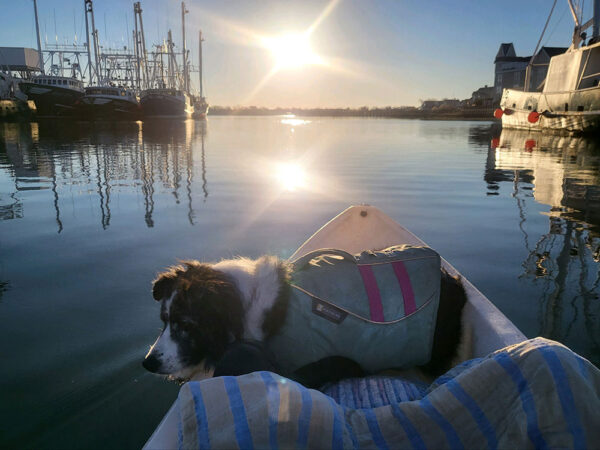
[{"x": 217, "y": 316}]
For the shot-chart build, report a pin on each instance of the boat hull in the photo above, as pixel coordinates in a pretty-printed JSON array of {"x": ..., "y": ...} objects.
[
  {"x": 200, "y": 110},
  {"x": 109, "y": 108},
  {"x": 571, "y": 112},
  {"x": 166, "y": 106},
  {"x": 51, "y": 101}
]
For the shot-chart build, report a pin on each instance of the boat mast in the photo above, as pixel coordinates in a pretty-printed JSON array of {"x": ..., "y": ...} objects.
[
  {"x": 89, "y": 54},
  {"x": 137, "y": 8},
  {"x": 200, "y": 61},
  {"x": 186, "y": 82},
  {"x": 170, "y": 56},
  {"x": 89, "y": 9},
  {"x": 39, "y": 42}
]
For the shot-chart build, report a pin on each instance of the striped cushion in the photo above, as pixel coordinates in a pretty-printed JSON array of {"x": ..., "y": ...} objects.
[
  {"x": 537, "y": 394},
  {"x": 373, "y": 392}
]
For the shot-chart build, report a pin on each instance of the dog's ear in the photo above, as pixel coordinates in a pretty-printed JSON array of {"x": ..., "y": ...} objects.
[{"x": 163, "y": 286}]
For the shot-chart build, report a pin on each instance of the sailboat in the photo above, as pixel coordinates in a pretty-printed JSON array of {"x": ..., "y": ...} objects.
[{"x": 569, "y": 98}]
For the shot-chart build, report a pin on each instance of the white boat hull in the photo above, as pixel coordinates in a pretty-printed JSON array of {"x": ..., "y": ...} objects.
[{"x": 573, "y": 111}]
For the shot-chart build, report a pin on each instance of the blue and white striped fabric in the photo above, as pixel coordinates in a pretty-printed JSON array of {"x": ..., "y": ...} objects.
[
  {"x": 373, "y": 392},
  {"x": 537, "y": 394}
]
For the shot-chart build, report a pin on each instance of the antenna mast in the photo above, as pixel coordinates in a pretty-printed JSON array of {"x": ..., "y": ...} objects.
[
  {"x": 200, "y": 40},
  {"x": 186, "y": 79},
  {"x": 39, "y": 42}
]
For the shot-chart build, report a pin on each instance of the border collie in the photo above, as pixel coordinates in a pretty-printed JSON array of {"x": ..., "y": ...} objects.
[{"x": 208, "y": 309}]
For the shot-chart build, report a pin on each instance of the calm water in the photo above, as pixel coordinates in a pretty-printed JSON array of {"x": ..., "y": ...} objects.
[{"x": 90, "y": 213}]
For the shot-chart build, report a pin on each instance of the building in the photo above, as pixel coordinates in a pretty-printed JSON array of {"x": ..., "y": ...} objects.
[{"x": 511, "y": 70}]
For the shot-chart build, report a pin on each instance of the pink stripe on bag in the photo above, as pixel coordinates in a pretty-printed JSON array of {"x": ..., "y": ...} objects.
[
  {"x": 407, "y": 291},
  {"x": 375, "y": 306}
]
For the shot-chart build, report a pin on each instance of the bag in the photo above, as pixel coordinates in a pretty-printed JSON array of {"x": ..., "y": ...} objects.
[{"x": 376, "y": 308}]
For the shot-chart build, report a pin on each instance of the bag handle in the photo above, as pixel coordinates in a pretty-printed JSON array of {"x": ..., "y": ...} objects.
[{"x": 304, "y": 260}]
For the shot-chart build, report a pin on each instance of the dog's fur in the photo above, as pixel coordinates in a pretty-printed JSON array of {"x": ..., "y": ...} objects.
[{"x": 206, "y": 308}]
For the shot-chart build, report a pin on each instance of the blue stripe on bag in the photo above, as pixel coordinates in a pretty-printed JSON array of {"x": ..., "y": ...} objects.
[
  {"x": 484, "y": 424},
  {"x": 374, "y": 429},
  {"x": 412, "y": 434},
  {"x": 527, "y": 402},
  {"x": 304, "y": 417},
  {"x": 201, "y": 420},
  {"x": 240, "y": 421},
  {"x": 453, "y": 439},
  {"x": 273, "y": 405},
  {"x": 561, "y": 382}
]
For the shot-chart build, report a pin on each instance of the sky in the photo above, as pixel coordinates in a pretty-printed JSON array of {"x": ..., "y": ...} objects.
[{"x": 369, "y": 52}]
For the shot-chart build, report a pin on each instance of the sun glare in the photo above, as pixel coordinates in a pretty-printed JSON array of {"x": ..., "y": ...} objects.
[
  {"x": 291, "y": 176},
  {"x": 291, "y": 51}
]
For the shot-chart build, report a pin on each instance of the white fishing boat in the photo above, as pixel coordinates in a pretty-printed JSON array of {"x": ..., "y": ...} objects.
[
  {"x": 109, "y": 102},
  {"x": 569, "y": 98},
  {"x": 361, "y": 228}
]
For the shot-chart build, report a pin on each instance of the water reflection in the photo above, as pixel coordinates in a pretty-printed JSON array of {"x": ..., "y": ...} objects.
[
  {"x": 101, "y": 160},
  {"x": 562, "y": 263}
]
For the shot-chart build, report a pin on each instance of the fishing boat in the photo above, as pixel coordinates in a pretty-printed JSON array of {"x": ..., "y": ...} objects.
[
  {"x": 109, "y": 102},
  {"x": 361, "y": 228},
  {"x": 569, "y": 98},
  {"x": 166, "y": 103},
  {"x": 54, "y": 96},
  {"x": 200, "y": 108}
]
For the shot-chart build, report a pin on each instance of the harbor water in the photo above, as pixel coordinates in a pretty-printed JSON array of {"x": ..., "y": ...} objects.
[{"x": 91, "y": 212}]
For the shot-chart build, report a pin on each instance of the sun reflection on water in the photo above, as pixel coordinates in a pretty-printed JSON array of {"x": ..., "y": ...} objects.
[
  {"x": 295, "y": 122},
  {"x": 291, "y": 176}
]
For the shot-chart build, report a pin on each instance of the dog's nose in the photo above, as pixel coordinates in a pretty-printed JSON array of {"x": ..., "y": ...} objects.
[{"x": 151, "y": 363}]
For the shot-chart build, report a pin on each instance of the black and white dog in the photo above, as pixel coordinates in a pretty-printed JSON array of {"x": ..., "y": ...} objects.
[{"x": 217, "y": 315}]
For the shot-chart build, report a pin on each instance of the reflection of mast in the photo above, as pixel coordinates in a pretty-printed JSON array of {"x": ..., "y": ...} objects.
[
  {"x": 176, "y": 173},
  {"x": 55, "y": 192},
  {"x": 204, "y": 183},
  {"x": 104, "y": 195},
  {"x": 554, "y": 307},
  {"x": 190, "y": 172},
  {"x": 147, "y": 188}
]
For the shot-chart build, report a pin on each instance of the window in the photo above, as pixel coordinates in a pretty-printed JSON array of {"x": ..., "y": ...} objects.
[
  {"x": 580, "y": 108},
  {"x": 566, "y": 107}
]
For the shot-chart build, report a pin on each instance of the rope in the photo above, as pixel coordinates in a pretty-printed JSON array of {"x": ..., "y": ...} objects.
[{"x": 528, "y": 76}]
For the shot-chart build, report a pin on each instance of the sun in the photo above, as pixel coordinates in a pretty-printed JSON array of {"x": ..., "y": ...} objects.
[{"x": 291, "y": 51}]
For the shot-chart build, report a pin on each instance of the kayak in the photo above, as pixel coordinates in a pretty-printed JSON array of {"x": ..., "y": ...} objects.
[{"x": 365, "y": 227}]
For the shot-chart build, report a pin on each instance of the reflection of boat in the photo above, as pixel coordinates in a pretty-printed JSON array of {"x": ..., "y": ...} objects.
[
  {"x": 109, "y": 102},
  {"x": 570, "y": 97},
  {"x": 557, "y": 166},
  {"x": 53, "y": 95},
  {"x": 361, "y": 228}
]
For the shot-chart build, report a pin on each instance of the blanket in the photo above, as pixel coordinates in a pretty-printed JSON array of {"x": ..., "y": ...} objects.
[{"x": 536, "y": 394}]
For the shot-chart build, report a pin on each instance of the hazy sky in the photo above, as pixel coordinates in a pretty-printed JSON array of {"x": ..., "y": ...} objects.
[{"x": 376, "y": 52}]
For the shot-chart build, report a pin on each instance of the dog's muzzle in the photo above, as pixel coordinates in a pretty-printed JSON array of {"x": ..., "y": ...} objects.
[{"x": 151, "y": 363}]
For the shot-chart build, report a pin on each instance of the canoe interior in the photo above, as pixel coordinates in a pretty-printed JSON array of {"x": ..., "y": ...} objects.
[{"x": 365, "y": 227}]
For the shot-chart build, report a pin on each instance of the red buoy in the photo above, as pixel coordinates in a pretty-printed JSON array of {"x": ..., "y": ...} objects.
[
  {"x": 530, "y": 144},
  {"x": 498, "y": 113},
  {"x": 533, "y": 117},
  {"x": 495, "y": 143}
]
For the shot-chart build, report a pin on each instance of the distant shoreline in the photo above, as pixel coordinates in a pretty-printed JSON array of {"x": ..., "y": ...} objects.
[{"x": 394, "y": 113}]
